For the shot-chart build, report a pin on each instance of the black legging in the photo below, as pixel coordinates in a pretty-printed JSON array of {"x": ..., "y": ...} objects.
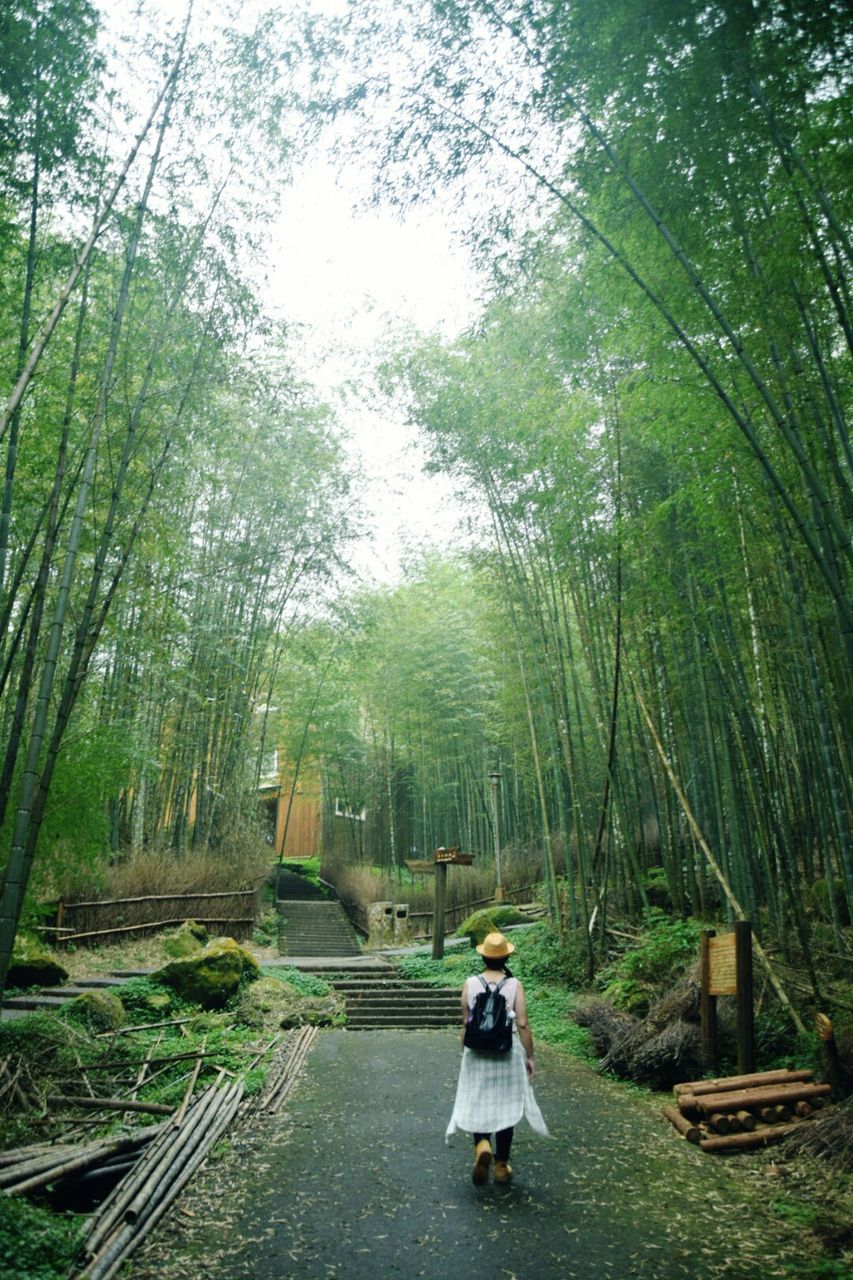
[{"x": 503, "y": 1142}]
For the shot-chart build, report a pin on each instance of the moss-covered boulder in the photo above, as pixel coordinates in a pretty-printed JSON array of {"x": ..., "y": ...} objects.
[
  {"x": 211, "y": 977},
  {"x": 99, "y": 1010},
  {"x": 33, "y": 965},
  {"x": 189, "y": 940},
  {"x": 269, "y": 1002},
  {"x": 489, "y": 919},
  {"x": 159, "y": 1002}
]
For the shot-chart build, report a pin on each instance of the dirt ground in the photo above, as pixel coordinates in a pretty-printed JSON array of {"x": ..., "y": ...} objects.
[{"x": 354, "y": 1180}]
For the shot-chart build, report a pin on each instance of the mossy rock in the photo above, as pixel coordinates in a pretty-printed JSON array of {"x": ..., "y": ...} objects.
[
  {"x": 33, "y": 965},
  {"x": 488, "y": 920},
  {"x": 211, "y": 977},
  {"x": 99, "y": 1010},
  {"x": 822, "y": 898},
  {"x": 271, "y": 1002},
  {"x": 189, "y": 940},
  {"x": 160, "y": 1002}
]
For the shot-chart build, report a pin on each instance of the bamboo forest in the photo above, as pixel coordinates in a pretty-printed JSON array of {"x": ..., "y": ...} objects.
[{"x": 618, "y": 690}]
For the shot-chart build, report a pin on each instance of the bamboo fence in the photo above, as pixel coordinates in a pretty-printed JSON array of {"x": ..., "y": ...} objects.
[{"x": 233, "y": 913}]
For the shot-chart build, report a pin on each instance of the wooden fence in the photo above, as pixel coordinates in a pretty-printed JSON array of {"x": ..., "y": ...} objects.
[{"x": 231, "y": 913}]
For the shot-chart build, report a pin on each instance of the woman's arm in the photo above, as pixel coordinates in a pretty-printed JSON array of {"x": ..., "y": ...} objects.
[
  {"x": 464, "y": 1009},
  {"x": 523, "y": 1026}
]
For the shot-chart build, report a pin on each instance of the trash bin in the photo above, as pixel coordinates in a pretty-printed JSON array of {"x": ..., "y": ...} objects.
[
  {"x": 402, "y": 924},
  {"x": 380, "y": 924}
]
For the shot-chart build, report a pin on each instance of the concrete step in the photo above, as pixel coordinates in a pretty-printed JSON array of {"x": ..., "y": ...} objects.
[
  {"x": 403, "y": 1021},
  {"x": 32, "y": 1003}
]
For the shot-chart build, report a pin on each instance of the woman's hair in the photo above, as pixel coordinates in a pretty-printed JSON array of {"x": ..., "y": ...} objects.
[{"x": 502, "y": 963}]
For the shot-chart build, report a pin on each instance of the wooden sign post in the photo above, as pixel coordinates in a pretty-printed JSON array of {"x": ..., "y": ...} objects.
[
  {"x": 726, "y": 970},
  {"x": 443, "y": 859}
]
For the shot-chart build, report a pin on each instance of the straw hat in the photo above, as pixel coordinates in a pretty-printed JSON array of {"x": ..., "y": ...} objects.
[{"x": 495, "y": 947}]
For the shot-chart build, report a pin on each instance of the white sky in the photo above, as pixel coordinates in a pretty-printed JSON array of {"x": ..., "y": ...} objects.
[{"x": 345, "y": 280}]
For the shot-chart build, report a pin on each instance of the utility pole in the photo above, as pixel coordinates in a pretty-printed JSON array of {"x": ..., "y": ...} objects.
[{"x": 495, "y": 780}]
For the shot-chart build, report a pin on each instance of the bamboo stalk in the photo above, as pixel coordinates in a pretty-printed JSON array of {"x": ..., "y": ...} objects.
[
  {"x": 712, "y": 861},
  {"x": 180, "y": 1113},
  {"x": 103, "y": 1222},
  {"x": 85, "y": 1159},
  {"x": 109, "y": 1104},
  {"x": 130, "y": 1235},
  {"x": 22, "y": 1170},
  {"x": 145, "y": 1026},
  {"x": 157, "y": 924},
  {"x": 158, "y": 897}
]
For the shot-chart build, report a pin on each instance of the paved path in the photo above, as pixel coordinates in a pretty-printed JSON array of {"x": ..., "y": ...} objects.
[{"x": 354, "y": 1181}]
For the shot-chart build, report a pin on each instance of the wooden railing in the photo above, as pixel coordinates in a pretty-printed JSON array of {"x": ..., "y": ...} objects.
[
  {"x": 231, "y": 912},
  {"x": 422, "y": 921}
]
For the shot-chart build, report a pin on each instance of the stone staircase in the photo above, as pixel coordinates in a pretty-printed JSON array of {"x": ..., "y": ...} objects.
[
  {"x": 310, "y": 927},
  {"x": 374, "y": 1003},
  {"x": 46, "y": 998}
]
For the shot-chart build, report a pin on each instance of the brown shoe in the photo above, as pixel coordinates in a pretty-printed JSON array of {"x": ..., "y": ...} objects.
[
  {"x": 482, "y": 1160},
  {"x": 503, "y": 1171}
]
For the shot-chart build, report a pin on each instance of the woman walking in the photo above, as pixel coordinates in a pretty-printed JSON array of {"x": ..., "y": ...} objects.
[{"x": 495, "y": 1089}]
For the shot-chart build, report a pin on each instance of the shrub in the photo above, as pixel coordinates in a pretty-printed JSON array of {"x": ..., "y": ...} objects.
[{"x": 667, "y": 946}]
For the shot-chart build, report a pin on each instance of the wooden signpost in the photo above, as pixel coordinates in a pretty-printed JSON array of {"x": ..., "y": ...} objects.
[
  {"x": 726, "y": 970},
  {"x": 444, "y": 858}
]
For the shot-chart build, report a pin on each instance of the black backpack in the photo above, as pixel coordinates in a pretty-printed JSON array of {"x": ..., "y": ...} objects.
[{"x": 489, "y": 1027}]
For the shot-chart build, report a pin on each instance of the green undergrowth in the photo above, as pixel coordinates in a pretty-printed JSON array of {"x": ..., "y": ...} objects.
[
  {"x": 304, "y": 984},
  {"x": 50, "y": 1048},
  {"x": 36, "y": 1244}
]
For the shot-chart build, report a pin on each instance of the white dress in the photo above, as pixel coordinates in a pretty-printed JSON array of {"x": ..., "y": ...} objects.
[{"x": 494, "y": 1090}]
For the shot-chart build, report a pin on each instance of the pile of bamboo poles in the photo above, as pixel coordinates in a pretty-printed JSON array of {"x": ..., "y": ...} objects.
[
  {"x": 735, "y": 1113},
  {"x": 138, "y": 1202},
  {"x": 285, "y": 1068},
  {"x": 28, "y": 1168}
]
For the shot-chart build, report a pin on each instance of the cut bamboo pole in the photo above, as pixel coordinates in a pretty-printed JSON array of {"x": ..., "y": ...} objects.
[
  {"x": 108, "y": 1104},
  {"x": 745, "y": 1141},
  {"x": 144, "y": 1026},
  {"x": 725, "y": 1083},
  {"x": 685, "y": 1127},
  {"x": 103, "y": 1222},
  {"x": 181, "y": 1111},
  {"x": 89, "y": 1157},
  {"x": 126, "y": 1236}
]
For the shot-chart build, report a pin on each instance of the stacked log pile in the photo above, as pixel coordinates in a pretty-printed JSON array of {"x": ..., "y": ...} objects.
[{"x": 735, "y": 1113}]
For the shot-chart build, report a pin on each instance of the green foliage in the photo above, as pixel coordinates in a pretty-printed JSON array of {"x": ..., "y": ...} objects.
[
  {"x": 266, "y": 929},
  {"x": 451, "y": 971},
  {"x": 550, "y": 1018},
  {"x": 304, "y": 984},
  {"x": 668, "y": 944},
  {"x": 143, "y": 999},
  {"x": 542, "y": 958},
  {"x": 35, "y": 1243}
]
